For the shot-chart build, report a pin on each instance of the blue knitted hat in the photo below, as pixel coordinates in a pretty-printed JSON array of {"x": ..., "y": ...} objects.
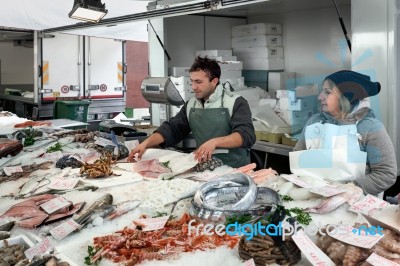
[{"x": 354, "y": 86}]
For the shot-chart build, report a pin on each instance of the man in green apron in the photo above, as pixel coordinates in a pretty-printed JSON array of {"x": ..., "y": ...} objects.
[{"x": 218, "y": 119}]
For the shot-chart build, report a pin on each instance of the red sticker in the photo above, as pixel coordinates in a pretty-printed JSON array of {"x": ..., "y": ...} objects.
[
  {"x": 64, "y": 89},
  {"x": 103, "y": 87}
]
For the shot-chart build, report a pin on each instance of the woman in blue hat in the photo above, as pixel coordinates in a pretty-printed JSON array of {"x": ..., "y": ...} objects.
[{"x": 345, "y": 142}]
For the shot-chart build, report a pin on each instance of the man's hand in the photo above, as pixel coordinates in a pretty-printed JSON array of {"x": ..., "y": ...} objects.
[
  {"x": 139, "y": 150},
  {"x": 205, "y": 151}
]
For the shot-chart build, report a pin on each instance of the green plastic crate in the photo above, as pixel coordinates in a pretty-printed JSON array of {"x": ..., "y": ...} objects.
[{"x": 74, "y": 110}]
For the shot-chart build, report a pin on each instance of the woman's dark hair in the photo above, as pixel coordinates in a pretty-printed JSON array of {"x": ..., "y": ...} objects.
[{"x": 210, "y": 66}]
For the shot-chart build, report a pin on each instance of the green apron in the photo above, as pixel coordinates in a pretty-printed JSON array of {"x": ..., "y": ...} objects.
[{"x": 212, "y": 123}]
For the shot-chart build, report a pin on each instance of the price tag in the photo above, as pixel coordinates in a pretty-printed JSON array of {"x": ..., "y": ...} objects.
[
  {"x": 131, "y": 144},
  {"x": 296, "y": 180},
  {"x": 39, "y": 249},
  {"x": 63, "y": 183},
  {"x": 364, "y": 237},
  {"x": 12, "y": 169},
  {"x": 367, "y": 204},
  {"x": 151, "y": 224},
  {"x": 249, "y": 262},
  {"x": 310, "y": 250},
  {"x": 53, "y": 156},
  {"x": 64, "y": 229},
  {"x": 377, "y": 260},
  {"x": 54, "y": 204},
  {"x": 327, "y": 191},
  {"x": 103, "y": 142}
]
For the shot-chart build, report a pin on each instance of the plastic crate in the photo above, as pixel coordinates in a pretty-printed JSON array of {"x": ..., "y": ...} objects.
[{"x": 74, "y": 110}]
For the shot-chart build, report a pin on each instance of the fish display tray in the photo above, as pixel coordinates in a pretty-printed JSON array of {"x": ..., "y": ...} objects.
[
  {"x": 17, "y": 240},
  {"x": 266, "y": 202}
]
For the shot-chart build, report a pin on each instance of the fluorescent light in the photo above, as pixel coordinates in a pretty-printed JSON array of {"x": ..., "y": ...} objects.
[{"x": 88, "y": 10}]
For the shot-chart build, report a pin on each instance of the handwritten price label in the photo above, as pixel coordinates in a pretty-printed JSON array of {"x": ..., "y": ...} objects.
[
  {"x": 296, "y": 180},
  {"x": 152, "y": 224},
  {"x": 12, "y": 169},
  {"x": 53, "y": 156},
  {"x": 131, "y": 144},
  {"x": 327, "y": 191},
  {"x": 64, "y": 229},
  {"x": 310, "y": 250},
  {"x": 38, "y": 249},
  {"x": 359, "y": 237},
  {"x": 367, "y": 204},
  {"x": 62, "y": 184},
  {"x": 103, "y": 142},
  {"x": 54, "y": 205},
  {"x": 377, "y": 260},
  {"x": 249, "y": 262}
]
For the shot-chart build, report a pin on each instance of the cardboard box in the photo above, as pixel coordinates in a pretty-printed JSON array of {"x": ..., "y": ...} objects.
[
  {"x": 264, "y": 64},
  {"x": 257, "y": 41},
  {"x": 214, "y": 53},
  {"x": 258, "y": 52},
  {"x": 256, "y": 28}
]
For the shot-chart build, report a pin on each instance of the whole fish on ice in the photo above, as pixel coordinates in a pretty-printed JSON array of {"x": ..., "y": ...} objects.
[
  {"x": 351, "y": 195},
  {"x": 101, "y": 207}
]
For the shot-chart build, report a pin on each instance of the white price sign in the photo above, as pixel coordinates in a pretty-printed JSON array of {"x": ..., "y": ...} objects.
[
  {"x": 151, "y": 224},
  {"x": 103, "y": 142},
  {"x": 39, "y": 249},
  {"x": 296, "y": 180},
  {"x": 64, "y": 229},
  {"x": 364, "y": 236},
  {"x": 63, "y": 183},
  {"x": 327, "y": 191},
  {"x": 131, "y": 144},
  {"x": 54, "y": 204},
  {"x": 53, "y": 156},
  {"x": 12, "y": 169},
  {"x": 310, "y": 250},
  {"x": 367, "y": 204}
]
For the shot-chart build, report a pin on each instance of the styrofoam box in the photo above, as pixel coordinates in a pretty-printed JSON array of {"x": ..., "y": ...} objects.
[
  {"x": 214, "y": 53},
  {"x": 231, "y": 65},
  {"x": 17, "y": 240},
  {"x": 256, "y": 28},
  {"x": 299, "y": 104},
  {"x": 257, "y": 41},
  {"x": 178, "y": 71},
  {"x": 264, "y": 64},
  {"x": 258, "y": 52},
  {"x": 295, "y": 117},
  {"x": 281, "y": 81},
  {"x": 235, "y": 82},
  {"x": 223, "y": 58},
  {"x": 231, "y": 74}
]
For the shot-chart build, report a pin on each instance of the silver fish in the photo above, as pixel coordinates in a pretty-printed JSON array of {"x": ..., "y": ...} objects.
[
  {"x": 244, "y": 203},
  {"x": 122, "y": 208},
  {"x": 103, "y": 202},
  {"x": 7, "y": 226},
  {"x": 35, "y": 183},
  {"x": 4, "y": 235},
  {"x": 266, "y": 203}
]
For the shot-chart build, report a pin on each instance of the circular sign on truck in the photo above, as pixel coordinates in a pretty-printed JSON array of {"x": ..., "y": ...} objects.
[
  {"x": 103, "y": 87},
  {"x": 64, "y": 89}
]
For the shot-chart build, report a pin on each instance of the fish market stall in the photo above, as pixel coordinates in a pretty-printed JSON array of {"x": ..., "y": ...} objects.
[{"x": 72, "y": 192}]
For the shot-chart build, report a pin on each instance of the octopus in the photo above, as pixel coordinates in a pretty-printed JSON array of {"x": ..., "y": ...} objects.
[{"x": 344, "y": 254}]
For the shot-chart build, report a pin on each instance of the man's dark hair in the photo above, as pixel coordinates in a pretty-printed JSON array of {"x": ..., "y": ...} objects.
[{"x": 210, "y": 66}]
